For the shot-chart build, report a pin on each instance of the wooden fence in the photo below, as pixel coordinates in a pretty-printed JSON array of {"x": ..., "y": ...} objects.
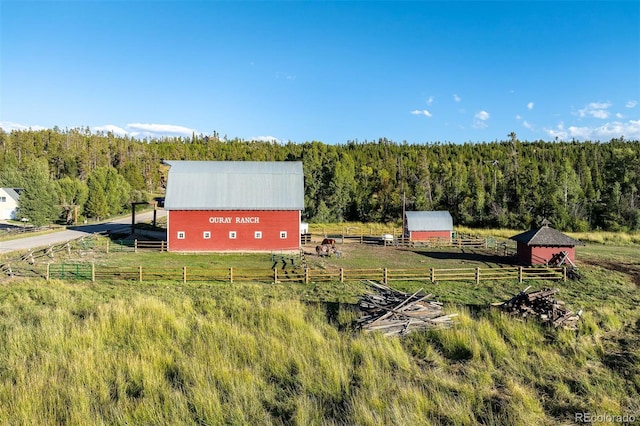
[
  {"x": 135, "y": 245},
  {"x": 300, "y": 275}
]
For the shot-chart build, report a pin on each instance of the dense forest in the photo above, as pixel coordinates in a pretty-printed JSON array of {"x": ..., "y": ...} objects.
[{"x": 578, "y": 186}]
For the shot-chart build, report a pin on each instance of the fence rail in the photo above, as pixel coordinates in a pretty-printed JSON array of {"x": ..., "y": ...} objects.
[{"x": 94, "y": 272}]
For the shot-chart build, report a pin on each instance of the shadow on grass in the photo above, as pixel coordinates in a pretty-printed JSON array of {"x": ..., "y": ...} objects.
[{"x": 488, "y": 259}]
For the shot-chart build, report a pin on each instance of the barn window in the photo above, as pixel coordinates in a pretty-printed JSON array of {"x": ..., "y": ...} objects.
[
  {"x": 206, "y": 235},
  {"x": 181, "y": 235},
  {"x": 232, "y": 235},
  {"x": 258, "y": 235},
  {"x": 3, "y": 199},
  {"x": 283, "y": 235}
]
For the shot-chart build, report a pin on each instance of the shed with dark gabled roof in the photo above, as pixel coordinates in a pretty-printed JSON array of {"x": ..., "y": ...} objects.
[{"x": 540, "y": 245}]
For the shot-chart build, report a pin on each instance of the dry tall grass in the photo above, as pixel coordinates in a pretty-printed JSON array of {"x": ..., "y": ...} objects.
[{"x": 244, "y": 354}]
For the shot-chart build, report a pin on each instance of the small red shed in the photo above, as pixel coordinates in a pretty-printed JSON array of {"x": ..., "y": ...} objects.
[
  {"x": 427, "y": 225},
  {"x": 545, "y": 245}
]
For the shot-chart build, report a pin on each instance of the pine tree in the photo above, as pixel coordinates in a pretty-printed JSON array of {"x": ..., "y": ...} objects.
[{"x": 37, "y": 202}]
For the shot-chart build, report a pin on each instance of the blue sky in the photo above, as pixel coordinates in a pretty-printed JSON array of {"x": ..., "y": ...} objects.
[{"x": 417, "y": 71}]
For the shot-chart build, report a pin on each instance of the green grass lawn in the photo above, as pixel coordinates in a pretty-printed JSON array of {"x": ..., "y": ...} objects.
[{"x": 161, "y": 352}]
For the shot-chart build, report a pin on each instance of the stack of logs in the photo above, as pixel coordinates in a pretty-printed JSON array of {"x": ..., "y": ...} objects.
[
  {"x": 542, "y": 305},
  {"x": 395, "y": 313}
]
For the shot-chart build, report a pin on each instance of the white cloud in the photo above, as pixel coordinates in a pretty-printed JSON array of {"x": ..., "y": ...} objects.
[
  {"x": 618, "y": 115},
  {"x": 600, "y": 113},
  {"x": 430, "y": 100},
  {"x": 518, "y": 117},
  {"x": 558, "y": 133},
  {"x": 530, "y": 105},
  {"x": 152, "y": 130},
  {"x": 615, "y": 129},
  {"x": 8, "y": 126},
  {"x": 271, "y": 139},
  {"x": 111, "y": 128},
  {"x": 599, "y": 105},
  {"x": 595, "y": 109},
  {"x": 480, "y": 120},
  {"x": 482, "y": 115},
  {"x": 136, "y": 130},
  {"x": 456, "y": 98},
  {"x": 527, "y": 124},
  {"x": 421, "y": 112},
  {"x": 631, "y": 104}
]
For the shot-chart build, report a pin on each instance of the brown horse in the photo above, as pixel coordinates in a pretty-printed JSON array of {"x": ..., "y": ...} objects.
[
  {"x": 324, "y": 250},
  {"x": 329, "y": 241}
]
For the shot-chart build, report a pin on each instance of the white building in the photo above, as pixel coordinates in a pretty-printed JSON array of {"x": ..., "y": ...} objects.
[{"x": 8, "y": 203}]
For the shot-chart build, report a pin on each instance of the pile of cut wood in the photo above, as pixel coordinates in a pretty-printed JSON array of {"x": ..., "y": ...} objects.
[
  {"x": 394, "y": 312},
  {"x": 542, "y": 305}
]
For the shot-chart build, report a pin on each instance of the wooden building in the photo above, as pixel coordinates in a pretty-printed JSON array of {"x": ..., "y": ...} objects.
[
  {"x": 223, "y": 206},
  {"x": 545, "y": 245},
  {"x": 428, "y": 225},
  {"x": 9, "y": 203}
]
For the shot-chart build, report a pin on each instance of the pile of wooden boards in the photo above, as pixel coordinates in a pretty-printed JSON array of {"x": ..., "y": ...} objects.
[
  {"x": 395, "y": 313},
  {"x": 542, "y": 305}
]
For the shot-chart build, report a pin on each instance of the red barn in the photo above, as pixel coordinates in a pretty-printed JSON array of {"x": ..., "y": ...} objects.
[
  {"x": 426, "y": 225},
  {"x": 541, "y": 245},
  {"x": 234, "y": 205}
]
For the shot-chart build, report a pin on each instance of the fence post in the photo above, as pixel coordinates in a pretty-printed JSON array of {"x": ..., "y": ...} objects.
[
  {"x": 140, "y": 273},
  {"x": 93, "y": 272},
  {"x": 386, "y": 276},
  {"x": 48, "y": 270},
  {"x": 341, "y": 275},
  {"x": 135, "y": 245},
  {"x": 275, "y": 275},
  {"x": 564, "y": 274},
  {"x": 161, "y": 246},
  {"x": 231, "y": 274},
  {"x": 108, "y": 245},
  {"x": 306, "y": 275},
  {"x": 433, "y": 275},
  {"x": 520, "y": 274},
  {"x": 478, "y": 275},
  {"x": 184, "y": 274}
]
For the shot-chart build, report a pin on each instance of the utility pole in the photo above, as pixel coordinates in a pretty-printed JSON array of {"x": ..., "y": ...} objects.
[{"x": 404, "y": 210}]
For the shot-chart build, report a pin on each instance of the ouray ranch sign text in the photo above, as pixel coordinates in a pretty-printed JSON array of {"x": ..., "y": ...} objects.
[{"x": 246, "y": 219}]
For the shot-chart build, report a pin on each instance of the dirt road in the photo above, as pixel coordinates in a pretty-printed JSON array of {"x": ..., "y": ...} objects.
[{"x": 73, "y": 232}]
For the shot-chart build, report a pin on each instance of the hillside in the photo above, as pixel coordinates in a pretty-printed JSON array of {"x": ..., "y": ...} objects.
[
  {"x": 206, "y": 353},
  {"x": 577, "y": 186}
]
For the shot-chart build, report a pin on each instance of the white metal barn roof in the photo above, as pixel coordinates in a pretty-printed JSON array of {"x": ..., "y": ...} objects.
[
  {"x": 235, "y": 185},
  {"x": 429, "y": 221}
]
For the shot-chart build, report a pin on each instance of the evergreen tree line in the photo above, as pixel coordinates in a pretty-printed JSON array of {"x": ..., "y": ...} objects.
[{"x": 578, "y": 186}]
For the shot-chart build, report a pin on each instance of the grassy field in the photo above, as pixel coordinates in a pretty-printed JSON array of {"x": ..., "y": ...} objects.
[
  {"x": 595, "y": 237},
  {"x": 204, "y": 353}
]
